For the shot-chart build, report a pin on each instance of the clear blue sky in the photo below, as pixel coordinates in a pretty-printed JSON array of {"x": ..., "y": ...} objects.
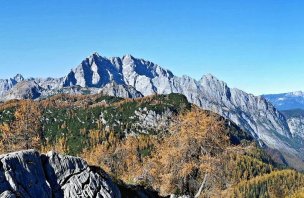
[{"x": 255, "y": 45}]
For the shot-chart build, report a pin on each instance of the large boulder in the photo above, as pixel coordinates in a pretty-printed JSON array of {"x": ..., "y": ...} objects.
[
  {"x": 72, "y": 177},
  {"x": 22, "y": 173},
  {"x": 28, "y": 174}
]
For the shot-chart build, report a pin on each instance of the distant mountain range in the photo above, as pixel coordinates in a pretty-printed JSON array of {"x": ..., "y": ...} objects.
[
  {"x": 132, "y": 77},
  {"x": 287, "y": 101}
]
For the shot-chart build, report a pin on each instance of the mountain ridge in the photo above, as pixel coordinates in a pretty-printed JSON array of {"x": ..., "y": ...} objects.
[
  {"x": 287, "y": 101},
  {"x": 252, "y": 113}
]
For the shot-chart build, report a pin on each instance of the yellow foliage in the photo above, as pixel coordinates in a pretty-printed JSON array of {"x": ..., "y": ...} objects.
[
  {"x": 297, "y": 194},
  {"x": 194, "y": 149},
  {"x": 60, "y": 146},
  {"x": 275, "y": 184}
]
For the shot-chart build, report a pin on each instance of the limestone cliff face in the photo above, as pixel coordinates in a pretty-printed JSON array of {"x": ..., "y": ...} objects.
[{"x": 29, "y": 174}]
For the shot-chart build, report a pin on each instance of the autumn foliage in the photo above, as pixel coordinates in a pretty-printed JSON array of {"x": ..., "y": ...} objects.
[
  {"x": 24, "y": 132},
  {"x": 199, "y": 153}
]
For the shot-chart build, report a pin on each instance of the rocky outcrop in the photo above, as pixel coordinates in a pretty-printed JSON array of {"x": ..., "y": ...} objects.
[
  {"x": 22, "y": 175},
  {"x": 28, "y": 174},
  {"x": 150, "y": 120}
]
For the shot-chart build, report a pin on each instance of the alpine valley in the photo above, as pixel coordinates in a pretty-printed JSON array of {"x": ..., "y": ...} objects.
[{"x": 143, "y": 126}]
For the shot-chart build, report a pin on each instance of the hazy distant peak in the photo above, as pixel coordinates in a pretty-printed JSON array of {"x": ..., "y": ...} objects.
[
  {"x": 128, "y": 56},
  {"x": 95, "y": 54},
  {"x": 296, "y": 93},
  {"x": 18, "y": 78}
]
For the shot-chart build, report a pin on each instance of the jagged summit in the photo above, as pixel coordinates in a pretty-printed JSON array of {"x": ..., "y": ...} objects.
[
  {"x": 128, "y": 56},
  {"x": 7, "y": 84},
  {"x": 18, "y": 78},
  {"x": 210, "y": 76},
  {"x": 95, "y": 53},
  {"x": 27, "y": 89},
  {"x": 210, "y": 80}
]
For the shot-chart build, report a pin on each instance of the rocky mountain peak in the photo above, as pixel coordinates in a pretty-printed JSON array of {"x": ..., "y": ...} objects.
[
  {"x": 128, "y": 56},
  {"x": 95, "y": 58},
  {"x": 18, "y": 78},
  {"x": 211, "y": 83},
  {"x": 27, "y": 89},
  {"x": 7, "y": 84},
  {"x": 210, "y": 80},
  {"x": 128, "y": 60},
  {"x": 95, "y": 54}
]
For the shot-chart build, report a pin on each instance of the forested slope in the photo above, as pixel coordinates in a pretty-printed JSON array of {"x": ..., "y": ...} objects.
[{"x": 161, "y": 142}]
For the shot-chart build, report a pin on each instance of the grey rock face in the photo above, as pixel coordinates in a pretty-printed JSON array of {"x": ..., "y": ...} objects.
[
  {"x": 153, "y": 121},
  {"x": 95, "y": 71},
  {"x": 123, "y": 91},
  {"x": 296, "y": 125},
  {"x": 7, "y": 84},
  {"x": 72, "y": 177},
  {"x": 295, "y": 120},
  {"x": 252, "y": 113},
  {"x": 7, "y": 194},
  {"x": 28, "y": 174},
  {"x": 48, "y": 83},
  {"x": 24, "y": 175},
  {"x": 24, "y": 90}
]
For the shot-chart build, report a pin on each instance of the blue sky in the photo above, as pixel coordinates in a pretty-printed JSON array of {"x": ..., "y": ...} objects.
[{"x": 255, "y": 45}]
